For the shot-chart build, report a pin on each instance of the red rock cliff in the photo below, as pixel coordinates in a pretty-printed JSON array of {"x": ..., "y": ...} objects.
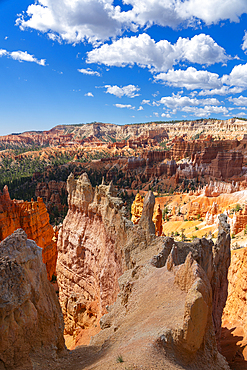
[{"x": 33, "y": 218}]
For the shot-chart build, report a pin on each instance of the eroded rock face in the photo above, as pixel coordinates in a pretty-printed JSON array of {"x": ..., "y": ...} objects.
[
  {"x": 33, "y": 218},
  {"x": 103, "y": 258},
  {"x": 52, "y": 194},
  {"x": 235, "y": 312},
  {"x": 166, "y": 310},
  {"x": 146, "y": 221},
  {"x": 31, "y": 322},
  {"x": 157, "y": 219},
  {"x": 96, "y": 244},
  {"x": 136, "y": 209},
  {"x": 89, "y": 259},
  {"x": 219, "y": 281}
]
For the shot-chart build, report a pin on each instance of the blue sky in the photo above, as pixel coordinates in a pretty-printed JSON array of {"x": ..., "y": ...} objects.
[{"x": 80, "y": 61}]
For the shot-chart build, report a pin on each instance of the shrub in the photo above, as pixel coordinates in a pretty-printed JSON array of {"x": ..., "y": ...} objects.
[{"x": 120, "y": 358}]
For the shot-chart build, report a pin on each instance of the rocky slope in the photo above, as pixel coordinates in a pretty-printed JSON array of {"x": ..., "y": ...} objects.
[
  {"x": 31, "y": 324},
  {"x": 33, "y": 218},
  {"x": 104, "y": 258}
]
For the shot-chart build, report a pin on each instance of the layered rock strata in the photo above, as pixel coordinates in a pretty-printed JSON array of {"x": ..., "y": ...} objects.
[
  {"x": 33, "y": 218},
  {"x": 31, "y": 322}
]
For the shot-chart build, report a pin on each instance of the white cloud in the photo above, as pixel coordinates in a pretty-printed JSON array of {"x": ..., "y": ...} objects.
[
  {"x": 129, "y": 90},
  {"x": 224, "y": 90},
  {"x": 241, "y": 100},
  {"x": 244, "y": 45},
  {"x": 156, "y": 114},
  {"x": 3, "y": 52},
  {"x": 89, "y": 94},
  {"x": 97, "y": 20},
  {"x": 237, "y": 77},
  {"x": 144, "y": 101},
  {"x": 129, "y": 106},
  {"x": 72, "y": 21},
  {"x": 167, "y": 115},
  {"x": 140, "y": 108},
  {"x": 88, "y": 71},
  {"x": 205, "y": 111},
  {"x": 241, "y": 114},
  {"x": 22, "y": 56},
  {"x": 190, "y": 78},
  {"x": 172, "y": 13},
  {"x": 177, "y": 101},
  {"x": 161, "y": 56}
]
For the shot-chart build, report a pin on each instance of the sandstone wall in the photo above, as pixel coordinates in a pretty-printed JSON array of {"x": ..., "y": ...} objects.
[
  {"x": 31, "y": 323},
  {"x": 33, "y": 218}
]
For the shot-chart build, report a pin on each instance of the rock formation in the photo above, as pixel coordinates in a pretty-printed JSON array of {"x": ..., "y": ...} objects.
[
  {"x": 157, "y": 219},
  {"x": 136, "y": 209},
  {"x": 235, "y": 312},
  {"x": 89, "y": 259},
  {"x": 33, "y": 218},
  {"x": 226, "y": 165},
  {"x": 53, "y": 194},
  {"x": 211, "y": 217},
  {"x": 31, "y": 323},
  {"x": 178, "y": 315},
  {"x": 108, "y": 264},
  {"x": 239, "y": 220}
]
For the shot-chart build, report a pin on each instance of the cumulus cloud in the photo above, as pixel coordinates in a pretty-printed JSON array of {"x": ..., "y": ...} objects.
[
  {"x": 177, "y": 101},
  {"x": 241, "y": 100},
  {"x": 210, "y": 83},
  {"x": 140, "y": 108},
  {"x": 3, "y": 52},
  {"x": 158, "y": 56},
  {"x": 190, "y": 78},
  {"x": 145, "y": 101},
  {"x": 72, "y": 21},
  {"x": 244, "y": 45},
  {"x": 89, "y": 94},
  {"x": 129, "y": 106},
  {"x": 167, "y": 115},
  {"x": 96, "y": 20},
  {"x": 129, "y": 90},
  {"x": 22, "y": 56},
  {"x": 237, "y": 77},
  {"x": 88, "y": 71},
  {"x": 205, "y": 111},
  {"x": 224, "y": 90}
]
